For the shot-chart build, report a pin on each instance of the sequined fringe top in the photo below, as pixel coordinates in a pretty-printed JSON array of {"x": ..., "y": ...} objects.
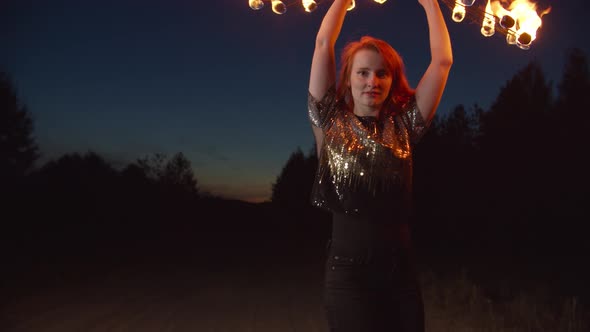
[{"x": 365, "y": 163}]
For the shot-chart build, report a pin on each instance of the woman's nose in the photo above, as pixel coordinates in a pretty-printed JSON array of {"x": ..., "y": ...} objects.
[{"x": 373, "y": 80}]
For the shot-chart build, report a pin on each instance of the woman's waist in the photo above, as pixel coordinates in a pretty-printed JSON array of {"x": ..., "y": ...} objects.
[
  {"x": 347, "y": 252},
  {"x": 369, "y": 233}
]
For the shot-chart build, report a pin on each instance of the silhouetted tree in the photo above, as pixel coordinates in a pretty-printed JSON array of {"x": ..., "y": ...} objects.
[
  {"x": 78, "y": 185},
  {"x": 174, "y": 173},
  {"x": 89, "y": 167},
  {"x": 522, "y": 104},
  {"x": 292, "y": 187},
  {"x": 72, "y": 202},
  {"x": 134, "y": 174},
  {"x": 516, "y": 142},
  {"x": 514, "y": 136},
  {"x": 18, "y": 149},
  {"x": 572, "y": 110},
  {"x": 152, "y": 165},
  {"x": 572, "y": 103},
  {"x": 445, "y": 179},
  {"x": 571, "y": 125},
  {"x": 461, "y": 127},
  {"x": 178, "y": 173}
]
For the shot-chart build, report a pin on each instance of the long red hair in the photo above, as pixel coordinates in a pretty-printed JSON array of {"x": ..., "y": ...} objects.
[{"x": 400, "y": 91}]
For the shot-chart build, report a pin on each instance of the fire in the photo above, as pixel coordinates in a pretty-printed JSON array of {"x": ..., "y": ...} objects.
[
  {"x": 518, "y": 19},
  {"x": 527, "y": 21}
]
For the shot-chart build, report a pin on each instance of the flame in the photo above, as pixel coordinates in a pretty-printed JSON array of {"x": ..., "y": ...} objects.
[
  {"x": 527, "y": 20},
  {"x": 520, "y": 19},
  {"x": 506, "y": 19}
]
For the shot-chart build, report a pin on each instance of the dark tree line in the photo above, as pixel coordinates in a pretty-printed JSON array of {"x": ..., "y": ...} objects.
[
  {"x": 512, "y": 178},
  {"x": 82, "y": 196},
  {"x": 66, "y": 215}
]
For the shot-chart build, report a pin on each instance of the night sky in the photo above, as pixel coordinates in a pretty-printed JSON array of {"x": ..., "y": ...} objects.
[{"x": 224, "y": 84}]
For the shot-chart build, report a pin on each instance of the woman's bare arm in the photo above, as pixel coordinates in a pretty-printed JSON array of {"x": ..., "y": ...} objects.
[
  {"x": 323, "y": 64},
  {"x": 432, "y": 84}
]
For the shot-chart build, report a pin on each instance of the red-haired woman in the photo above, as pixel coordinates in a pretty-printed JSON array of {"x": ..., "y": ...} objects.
[{"x": 365, "y": 126}]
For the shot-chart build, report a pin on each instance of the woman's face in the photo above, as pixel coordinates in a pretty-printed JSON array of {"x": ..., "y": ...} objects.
[{"x": 370, "y": 80}]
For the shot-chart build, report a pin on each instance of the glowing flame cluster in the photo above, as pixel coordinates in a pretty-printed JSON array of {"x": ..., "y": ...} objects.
[
  {"x": 518, "y": 19},
  {"x": 279, "y": 7}
]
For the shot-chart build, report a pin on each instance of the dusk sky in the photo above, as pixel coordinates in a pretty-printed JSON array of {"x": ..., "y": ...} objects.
[{"x": 222, "y": 83}]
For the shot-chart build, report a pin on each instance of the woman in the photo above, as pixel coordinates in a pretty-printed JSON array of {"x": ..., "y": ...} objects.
[{"x": 365, "y": 126}]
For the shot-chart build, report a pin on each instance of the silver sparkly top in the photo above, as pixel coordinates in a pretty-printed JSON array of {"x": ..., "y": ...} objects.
[{"x": 365, "y": 163}]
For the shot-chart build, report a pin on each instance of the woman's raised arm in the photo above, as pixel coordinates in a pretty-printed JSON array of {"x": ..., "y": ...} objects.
[
  {"x": 323, "y": 64},
  {"x": 430, "y": 88}
]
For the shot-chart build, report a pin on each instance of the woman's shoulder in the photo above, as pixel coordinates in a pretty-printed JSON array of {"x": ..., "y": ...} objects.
[{"x": 323, "y": 110}]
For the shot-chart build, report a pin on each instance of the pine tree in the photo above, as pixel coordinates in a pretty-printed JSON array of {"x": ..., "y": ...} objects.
[{"x": 18, "y": 149}]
